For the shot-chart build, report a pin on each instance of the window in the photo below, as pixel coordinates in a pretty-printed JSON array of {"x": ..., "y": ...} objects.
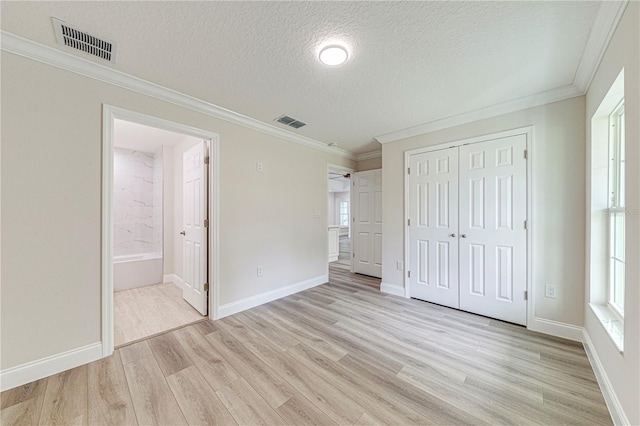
[
  {"x": 344, "y": 213},
  {"x": 616, "y": 210},
  {"x": 606, "y": 213}
]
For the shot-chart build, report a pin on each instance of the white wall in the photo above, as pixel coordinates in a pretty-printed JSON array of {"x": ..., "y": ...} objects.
[
  {"x": 51, "y": 182},
  {"x": 370, "y": 164},
  {"x": 557, "y": 155},
  {"x": 331, "y": 209},
  {"x": 168, "y": 203},
  {"x": 622, "y": 370}
]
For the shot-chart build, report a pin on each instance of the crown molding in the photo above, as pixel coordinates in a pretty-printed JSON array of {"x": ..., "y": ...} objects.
[
  {"x": 369, "y": 155},
  {"x": 543, "y": 98},
  {"x": 17, "y": 45},
  {"x": 604, "y": 26}
]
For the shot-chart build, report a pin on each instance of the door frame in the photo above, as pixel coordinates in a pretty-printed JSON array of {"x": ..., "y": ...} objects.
[
  {"x": 109, "y": 115},
  {"x": 351, "y": 171},
  {"x": 528, "y": 131}
]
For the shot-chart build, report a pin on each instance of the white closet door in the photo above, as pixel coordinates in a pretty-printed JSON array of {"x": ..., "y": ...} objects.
[
  {"x": 367, "y": 223},
  {"x": 493, "y": 239},
  {"x": 433, "y": 227}
]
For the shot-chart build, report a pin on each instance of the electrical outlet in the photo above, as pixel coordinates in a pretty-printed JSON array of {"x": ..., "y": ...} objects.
[
  {"x": 550, "y": 291},
  {"x": 259, "y": 167},
  {"x": 399, "y": 265},
  {"x": 259, "y": 271}
]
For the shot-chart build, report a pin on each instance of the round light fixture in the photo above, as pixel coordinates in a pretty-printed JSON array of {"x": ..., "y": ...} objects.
[{"x": 333, "y": 55}]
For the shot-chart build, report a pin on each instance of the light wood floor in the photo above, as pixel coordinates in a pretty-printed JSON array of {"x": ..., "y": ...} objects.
[
  {"x": 146, "y": 311},
  {"x": 340, "y": 353},
  {"x": 344, "y": 254}
]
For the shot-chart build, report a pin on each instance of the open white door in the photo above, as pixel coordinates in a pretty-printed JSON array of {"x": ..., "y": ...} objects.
[
  {"x": 433, "y": 226},
  {"x": 194, "y": 186},
  {"x": 493, "y": 236},
  {"x": 367, "y": 223}
]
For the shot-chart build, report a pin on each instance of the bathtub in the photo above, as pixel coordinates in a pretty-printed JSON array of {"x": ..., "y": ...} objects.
[{"x": 136, "y": 270}]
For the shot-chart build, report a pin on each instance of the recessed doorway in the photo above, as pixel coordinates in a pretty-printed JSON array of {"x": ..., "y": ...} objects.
[
  {"x": 159, "y": 226},
  {"x": 339, "y": 216}
]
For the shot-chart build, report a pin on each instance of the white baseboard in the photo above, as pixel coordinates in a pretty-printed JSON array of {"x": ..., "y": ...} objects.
[
  {"x": 39, "y": 369},
  {"x": 394, "y": 289},
  {"x": 613, "y": 404},
  {"x": 173, "y": 278},
  {"x": 262, "y": 298},
  {"x": 558, "y": 329}
]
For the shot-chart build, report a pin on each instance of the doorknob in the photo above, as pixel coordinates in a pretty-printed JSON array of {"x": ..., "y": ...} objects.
[
  {"x": 452, "y": 235},
  {"x": 183, "y": 233},
  {"x": 463, "y": 235}
]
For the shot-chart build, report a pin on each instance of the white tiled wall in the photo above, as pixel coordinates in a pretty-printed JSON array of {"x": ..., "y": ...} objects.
[{"x": 137, "y": 189}]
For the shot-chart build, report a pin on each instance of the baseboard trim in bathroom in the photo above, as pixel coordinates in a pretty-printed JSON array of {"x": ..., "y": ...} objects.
[{"x": 173, "y": 278}]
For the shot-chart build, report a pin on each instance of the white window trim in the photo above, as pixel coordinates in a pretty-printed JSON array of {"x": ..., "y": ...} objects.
[{"x": 614, "y": 204}]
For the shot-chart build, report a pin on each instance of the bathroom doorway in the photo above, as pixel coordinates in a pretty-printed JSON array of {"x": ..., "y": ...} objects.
[
  {"x": 158, "y": 219},
  {"x": 339, "y": 216}
]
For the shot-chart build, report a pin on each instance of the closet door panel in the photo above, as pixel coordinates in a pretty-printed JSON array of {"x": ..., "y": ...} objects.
[
  {"x": 433, "y": 228},
  {"x": 493, "y": 205}
]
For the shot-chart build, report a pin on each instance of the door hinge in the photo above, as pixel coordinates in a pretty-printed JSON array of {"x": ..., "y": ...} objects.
[
  {"x": 206, "y": 223},
  {"x": 409, "y": 274},
  {"x": 354, "y": 219},
  {"x": 525, "y": 224},
  {"x": 206, "y": 159},
  {"x": 353, "y": 254},
  {"x": 408, "y": 222},
  {"x": 206, "y": 286},
  {"x": 526, "y": 295},
  {"x": 408, "y": 170},
  {"x": 525, "y": 154}
]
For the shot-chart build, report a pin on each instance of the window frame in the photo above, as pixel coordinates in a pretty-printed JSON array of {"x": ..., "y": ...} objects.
[
  {"x": 340, "y": 214},
  {"x": 616, "y": 187}
]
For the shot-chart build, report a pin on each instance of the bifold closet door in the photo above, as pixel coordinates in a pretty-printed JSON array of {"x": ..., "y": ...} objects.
[
  {"x": 433, "y": 226},
  {"x": 493, "y": 239}
]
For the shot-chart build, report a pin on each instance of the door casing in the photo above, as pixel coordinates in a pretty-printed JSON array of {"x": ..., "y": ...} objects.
[
  {"x": 109, "y": 115},
  {"x": 528, "y": 131}
]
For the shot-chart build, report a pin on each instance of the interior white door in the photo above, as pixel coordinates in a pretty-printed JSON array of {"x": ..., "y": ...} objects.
[
  {"x": 194, "y": 205},
  {"x": 367, "y": 223},
  {"x": 493, "y": 237},
  {"x": 433, "y": 226}
]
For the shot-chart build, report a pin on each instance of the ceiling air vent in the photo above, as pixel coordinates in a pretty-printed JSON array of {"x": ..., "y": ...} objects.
[
  {"x": 290, "y": 121},
  {"x": 68, "y": 35}
]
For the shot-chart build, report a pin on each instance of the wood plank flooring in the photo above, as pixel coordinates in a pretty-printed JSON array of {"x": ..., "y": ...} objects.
[
  {"x": 344, "y": 254},
  {"x": 147, "y": 311},
  {"x": 340, "y": 353}
]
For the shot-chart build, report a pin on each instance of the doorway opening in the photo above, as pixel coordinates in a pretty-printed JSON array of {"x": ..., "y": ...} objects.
[
  {"x": 339, "y": 216},
  {"x": 159, "y": 226}
]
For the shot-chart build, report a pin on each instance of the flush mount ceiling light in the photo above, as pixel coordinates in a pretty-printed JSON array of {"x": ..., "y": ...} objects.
[{"x": 333, "y": 55}]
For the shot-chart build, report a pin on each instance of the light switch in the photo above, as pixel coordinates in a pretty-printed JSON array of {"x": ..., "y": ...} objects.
[{"x": 259, "y": 167}]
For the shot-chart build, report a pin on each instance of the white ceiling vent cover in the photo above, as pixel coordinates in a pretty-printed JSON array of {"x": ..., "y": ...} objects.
[
  {"x": 68, "y": 35},
  {"x": 290, "y": 121}
]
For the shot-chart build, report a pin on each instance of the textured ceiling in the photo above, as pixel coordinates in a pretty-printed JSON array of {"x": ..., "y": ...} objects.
[{"x": 411, "y": 62}]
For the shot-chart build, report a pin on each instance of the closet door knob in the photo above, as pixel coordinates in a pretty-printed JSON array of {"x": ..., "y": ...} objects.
[
  {"x": 463, "y": 235},
  {"x": 183, "y": 233},
  {"x": 452, "y": 235}
]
